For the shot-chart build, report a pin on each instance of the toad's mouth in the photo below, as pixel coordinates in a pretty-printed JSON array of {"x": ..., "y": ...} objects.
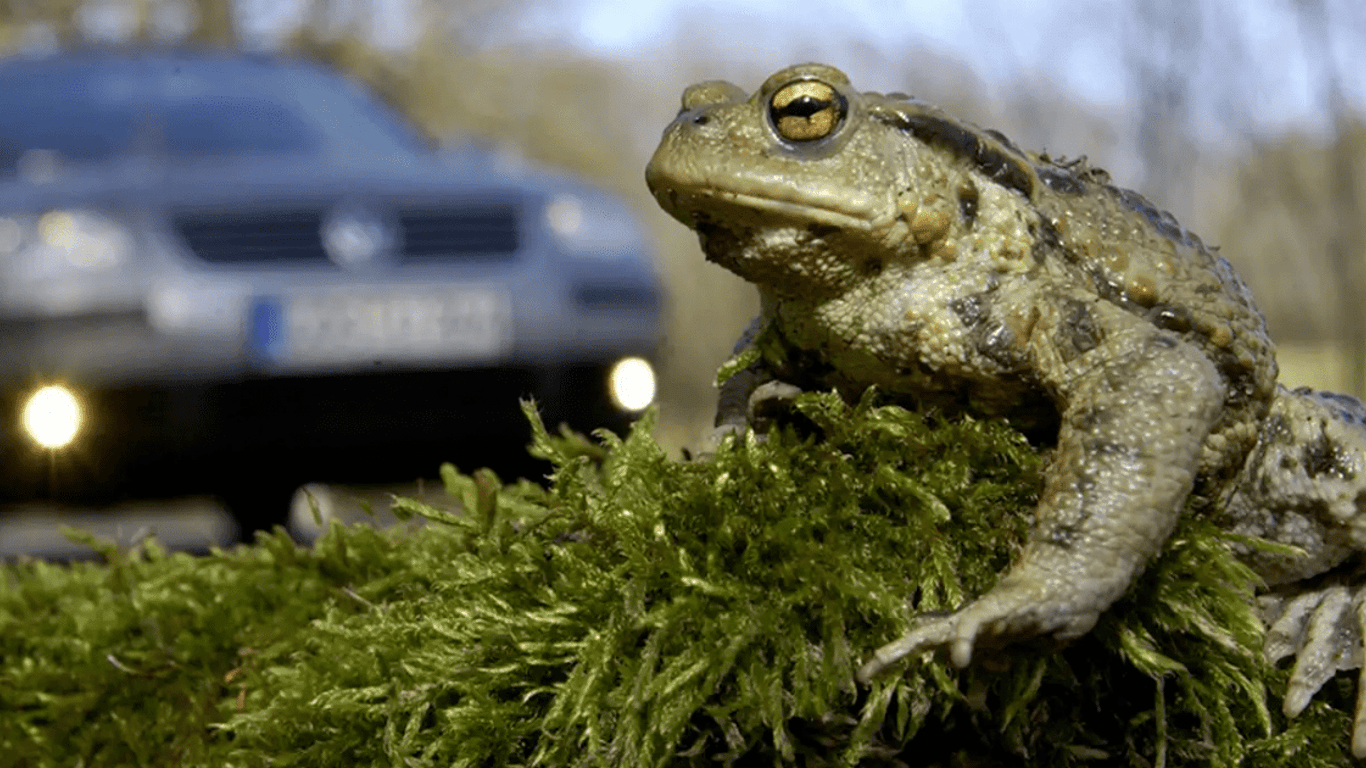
[
  {"x": 797, "y": 260},
  {"x": 689, "y": 206}
]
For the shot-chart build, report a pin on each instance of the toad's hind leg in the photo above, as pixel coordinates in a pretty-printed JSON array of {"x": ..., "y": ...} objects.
[{"x": 1305, "y": 485}]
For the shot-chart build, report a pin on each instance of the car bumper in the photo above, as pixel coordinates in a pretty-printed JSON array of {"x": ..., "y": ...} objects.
[
  {"x": 112, "y": 349},
  {"x": 197, "y": 437}
]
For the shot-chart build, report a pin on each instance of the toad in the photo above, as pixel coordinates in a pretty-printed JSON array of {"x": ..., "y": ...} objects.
[{"x": 895, "y": 246}]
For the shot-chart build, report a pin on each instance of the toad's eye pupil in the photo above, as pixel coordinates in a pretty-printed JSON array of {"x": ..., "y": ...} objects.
[
  {"x": 804, "y": 106},
  {"x": 806, "y": 111}
]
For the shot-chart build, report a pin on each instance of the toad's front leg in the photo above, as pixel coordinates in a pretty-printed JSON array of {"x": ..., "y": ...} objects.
[{"x": 1133, "y": 424}]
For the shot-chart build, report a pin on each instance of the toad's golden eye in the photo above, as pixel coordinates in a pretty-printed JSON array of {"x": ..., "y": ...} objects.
[{"x": 807, "y": 110}]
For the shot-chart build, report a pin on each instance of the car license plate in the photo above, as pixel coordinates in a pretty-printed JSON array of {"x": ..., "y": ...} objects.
[{"x": 330, "y": 329}]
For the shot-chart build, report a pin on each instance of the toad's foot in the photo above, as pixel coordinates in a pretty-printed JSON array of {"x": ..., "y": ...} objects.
[
  {"x": 771, "y": 401},
  {"x": 1014, "y": 610},
  {"x": 713, "y": 440},
  {"x": 1323, "y": 629},
  {"x": 768, "y": 403}
]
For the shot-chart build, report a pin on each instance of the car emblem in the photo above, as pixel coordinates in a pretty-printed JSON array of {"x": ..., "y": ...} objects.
[{"x": 355, "y": 237}]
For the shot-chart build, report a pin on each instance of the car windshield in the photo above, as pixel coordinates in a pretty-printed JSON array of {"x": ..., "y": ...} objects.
[
  {"x": 87, "y": 133},
  {"x": 89, "y": 112}
]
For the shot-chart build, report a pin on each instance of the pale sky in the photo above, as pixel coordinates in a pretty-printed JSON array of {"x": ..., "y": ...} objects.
[{"x": 1078, "y": 45}]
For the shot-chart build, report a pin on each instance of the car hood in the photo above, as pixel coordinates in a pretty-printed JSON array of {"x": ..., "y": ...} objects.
[{"x": 157, "y": 183}]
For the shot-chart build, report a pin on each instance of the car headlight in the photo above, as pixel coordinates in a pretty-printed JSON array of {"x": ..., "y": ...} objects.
[
  {"x": 52, "y": 416},
  {"x": 593, "y": 227},
  {"x": 60, "y": 243},
  {"x": 631, "y": 383}
]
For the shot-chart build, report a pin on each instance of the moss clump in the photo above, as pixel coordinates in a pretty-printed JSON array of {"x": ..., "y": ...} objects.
[{"x": 641, "y": 611}]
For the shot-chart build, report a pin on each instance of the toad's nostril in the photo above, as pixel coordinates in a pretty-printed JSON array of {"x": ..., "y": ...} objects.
[{"x": 701, "y": 119}]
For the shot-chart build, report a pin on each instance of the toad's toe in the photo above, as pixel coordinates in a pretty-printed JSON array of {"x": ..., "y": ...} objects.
[
  {"x": 933, "y": 633},
  {"x": 1327, "y": 638}
]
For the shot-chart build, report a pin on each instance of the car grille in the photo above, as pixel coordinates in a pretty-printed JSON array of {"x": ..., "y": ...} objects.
[
  {"x": 616, "y": 297},
  {"x": 254, "y": 238},
  {"x": 292, "y": 237},
  {"x": 487, "y": 230}
]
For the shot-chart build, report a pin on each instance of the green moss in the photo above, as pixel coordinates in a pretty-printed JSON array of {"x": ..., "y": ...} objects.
[{"x": 641, "y": 611}]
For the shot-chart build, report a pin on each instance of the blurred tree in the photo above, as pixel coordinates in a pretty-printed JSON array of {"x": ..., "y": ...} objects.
[
  {"x": 21, "y": 18},
  {"x": 1278, "y": 226},
  {"x": 1346, "y": 232},
  {"x": 1161, "y": 59},
  {"x": 217, "y": 22},
  {"x": 1291, "y": 220}
]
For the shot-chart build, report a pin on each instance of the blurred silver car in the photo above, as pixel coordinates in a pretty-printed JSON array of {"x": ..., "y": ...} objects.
[{"x": 231, "y": 273}]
